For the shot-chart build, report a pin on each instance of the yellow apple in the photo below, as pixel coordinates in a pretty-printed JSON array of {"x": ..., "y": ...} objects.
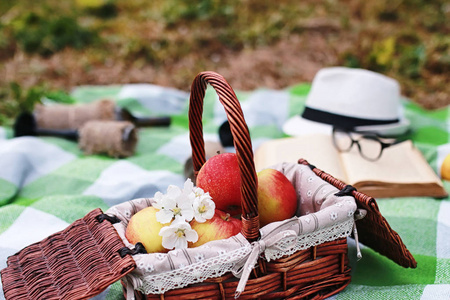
[
  {"x": 143, "y": 227},
  {"x": 445, "y": 168},
  {"x": 221, "y": 178},
  {"x": 277, "y": 198},
  {"x": 220, "y": 226}
]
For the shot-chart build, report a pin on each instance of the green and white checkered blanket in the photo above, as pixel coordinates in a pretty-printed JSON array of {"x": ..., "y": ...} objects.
[{"x": 47, "y": 183}]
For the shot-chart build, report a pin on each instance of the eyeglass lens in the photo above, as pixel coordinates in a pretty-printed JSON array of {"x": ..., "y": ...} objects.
[
  {"x": 342, "y": 140},
  {"x": 369, "y": 147}
]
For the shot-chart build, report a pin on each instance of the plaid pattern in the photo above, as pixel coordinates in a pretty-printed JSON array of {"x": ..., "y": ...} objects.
[{"x": 47, "y": 183}]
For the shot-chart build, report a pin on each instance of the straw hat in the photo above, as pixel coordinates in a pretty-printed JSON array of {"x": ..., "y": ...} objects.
[{"x": 355, "y": 99}]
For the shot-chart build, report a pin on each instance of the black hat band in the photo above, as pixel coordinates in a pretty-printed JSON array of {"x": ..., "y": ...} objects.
[{"x": 341, "y": 121}]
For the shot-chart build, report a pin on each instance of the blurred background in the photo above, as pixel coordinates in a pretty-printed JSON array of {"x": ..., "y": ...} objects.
[{"x": 48, "y": 47}]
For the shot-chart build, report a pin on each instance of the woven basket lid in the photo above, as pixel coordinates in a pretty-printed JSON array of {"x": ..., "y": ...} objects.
[
  {"x": 78, "y": 262},
  {"x": 374, "y": 231}
]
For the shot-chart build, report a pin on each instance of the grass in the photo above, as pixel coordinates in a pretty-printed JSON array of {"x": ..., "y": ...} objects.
[{"x": 55, "y": 45}]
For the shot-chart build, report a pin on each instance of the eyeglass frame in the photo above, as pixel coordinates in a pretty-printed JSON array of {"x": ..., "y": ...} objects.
[{"x": 366, "y": 135}]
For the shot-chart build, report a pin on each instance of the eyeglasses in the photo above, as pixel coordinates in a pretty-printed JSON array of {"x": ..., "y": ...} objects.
[{"x": 370, "y": 145}]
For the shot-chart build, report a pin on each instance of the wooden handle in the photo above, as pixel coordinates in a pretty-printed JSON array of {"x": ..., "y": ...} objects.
[{"x": 242, "y": 143}]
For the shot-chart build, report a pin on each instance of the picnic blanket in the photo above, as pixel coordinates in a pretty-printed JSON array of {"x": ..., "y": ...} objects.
[{"x": 46, "y": 183}]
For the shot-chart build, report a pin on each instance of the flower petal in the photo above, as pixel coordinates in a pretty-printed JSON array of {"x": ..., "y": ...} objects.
[
  {"x": 188, "y": 214},
  {"x": 188, "y": 186},
  {"x": 158, "y": 198},
  {"x": 191, "y": 235},
  {"x": 170, "y": 241},
  {"x": 169, "y": 203},
  {"x": 209, "y": 214},
  {"x": 199, "y": 218},
  {"x": 184, "y": 203},
  {"x": 181, "y": 243},
  {"x": 166, "y": 231},
  {"x": 173, "y": 191},
  {"x": 164, "y": 216}
]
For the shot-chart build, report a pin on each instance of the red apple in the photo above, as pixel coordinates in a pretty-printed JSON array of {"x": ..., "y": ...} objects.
[
  {"x": 221, "y": 178},
  {"x": 220, "y": 226},
  {"x": 277, "y": 198},
  {"x": 143, "y": 227}
]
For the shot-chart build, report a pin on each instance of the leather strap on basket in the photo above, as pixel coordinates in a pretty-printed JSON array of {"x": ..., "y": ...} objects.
[
  {"x": 242, "y": 143},
  {"x": 374, "y": 230}
]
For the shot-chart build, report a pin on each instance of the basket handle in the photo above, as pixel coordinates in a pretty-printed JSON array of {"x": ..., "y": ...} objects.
[{"x": 242, "y": 143}]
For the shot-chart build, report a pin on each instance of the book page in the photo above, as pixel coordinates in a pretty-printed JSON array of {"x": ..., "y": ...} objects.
[
  {"x": 402, "y": 163},
  {"x": 317, "y": 149}
]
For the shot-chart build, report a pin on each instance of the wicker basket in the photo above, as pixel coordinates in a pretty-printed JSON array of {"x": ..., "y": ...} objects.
[
  {"x": 82, "y": 260},
  {"x": 322, "y": 270},
  {"x": 317, "y": 272}
]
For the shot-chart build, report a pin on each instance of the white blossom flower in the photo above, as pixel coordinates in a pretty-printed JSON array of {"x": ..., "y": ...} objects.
[
  {"x": 202, "y": 204},
  {"x": 178, "y": 234},
  {"x": 203, "y": 208},
  {"x": 178, "y": 207},
  {"x": 173, "y": 204}
]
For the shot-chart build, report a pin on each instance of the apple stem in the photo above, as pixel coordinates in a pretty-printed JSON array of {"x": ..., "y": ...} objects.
[{"x": 227, "y": 217}]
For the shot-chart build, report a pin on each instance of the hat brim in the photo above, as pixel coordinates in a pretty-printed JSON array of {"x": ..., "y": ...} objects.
[{"x": 297, "y": 126}]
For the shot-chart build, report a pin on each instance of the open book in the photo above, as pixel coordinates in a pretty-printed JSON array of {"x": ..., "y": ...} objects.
[{"x": 401, "y": 171}]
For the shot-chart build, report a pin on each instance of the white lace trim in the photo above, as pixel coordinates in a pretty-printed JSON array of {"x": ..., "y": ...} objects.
[
  {"x": 230, "y": 261},
  {"x": 195, "y": 273},
  {"x": 305, "y": 241}
]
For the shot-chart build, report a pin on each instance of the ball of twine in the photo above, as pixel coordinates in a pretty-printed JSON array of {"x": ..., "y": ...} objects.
[
  {"x": 114, "y": 138},
  {"x": 63, "y": 116}
]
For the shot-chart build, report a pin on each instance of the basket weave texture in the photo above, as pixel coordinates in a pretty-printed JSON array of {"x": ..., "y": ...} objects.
[
  {"x": 374, "y": 230},
  {"x": 78, "y": 262}
]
